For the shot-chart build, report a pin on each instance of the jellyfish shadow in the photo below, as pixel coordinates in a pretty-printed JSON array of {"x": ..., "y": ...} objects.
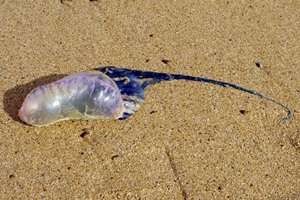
[{"x": 14, "y": 97}]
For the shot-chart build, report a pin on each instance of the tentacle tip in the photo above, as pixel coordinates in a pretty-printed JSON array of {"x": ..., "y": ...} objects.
[{"x": 289, "y": 116}]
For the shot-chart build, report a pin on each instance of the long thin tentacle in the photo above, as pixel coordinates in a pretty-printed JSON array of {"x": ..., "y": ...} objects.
[{"x": 147, "y": 78}]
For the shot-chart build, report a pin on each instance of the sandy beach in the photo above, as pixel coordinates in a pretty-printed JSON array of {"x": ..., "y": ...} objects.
[{"x": 189, "y": 140}]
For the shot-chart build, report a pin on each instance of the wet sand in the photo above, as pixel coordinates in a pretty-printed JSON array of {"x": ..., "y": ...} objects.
[{"x": 189, "y": 140}]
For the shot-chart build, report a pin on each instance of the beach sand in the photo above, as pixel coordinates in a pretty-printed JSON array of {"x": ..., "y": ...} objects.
[{"x": 189, "y": 140}]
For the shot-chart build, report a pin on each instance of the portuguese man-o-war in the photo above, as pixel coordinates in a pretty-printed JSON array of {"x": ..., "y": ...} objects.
[{"x": 102, "y": 93}]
